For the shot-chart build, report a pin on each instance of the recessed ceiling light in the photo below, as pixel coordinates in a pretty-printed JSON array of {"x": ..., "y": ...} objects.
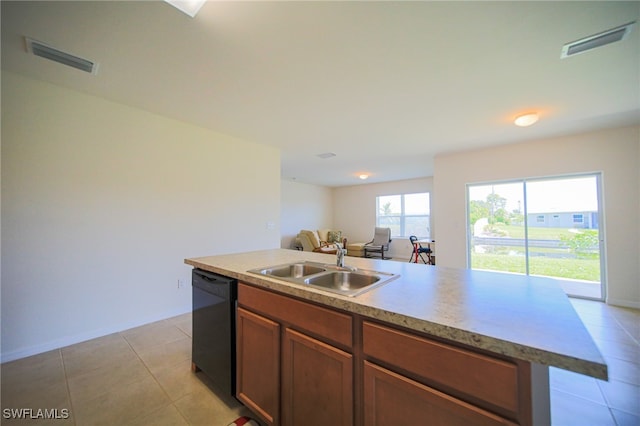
[
  {"x": 363, "y": 176},
  {"x": 525, "y": 120},
  {"x": 190, "y": 7}
]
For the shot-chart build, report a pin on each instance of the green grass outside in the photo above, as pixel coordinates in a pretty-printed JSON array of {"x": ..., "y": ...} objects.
[
  {"x": 514, "y": 231},
  {"x": 583, "y": 267},
  {"x": 578, "y": 269}
]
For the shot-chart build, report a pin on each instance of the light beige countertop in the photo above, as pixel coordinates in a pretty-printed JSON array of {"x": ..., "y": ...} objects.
[{"x": 528, "y": 318}]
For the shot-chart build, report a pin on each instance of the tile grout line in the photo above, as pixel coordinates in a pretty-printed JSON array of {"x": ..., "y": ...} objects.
[
  {"x": 148, "y": 371},
  {"x": 161, "y": 387},
  {"x": 610, "y": 408},
  {"x": 66, "y": 382},
  {"x": 607, "y": 400},
  {"x": 155, "y": 379},
  {"x": 625, "y": 330},
  {"x": 565, "y": 391}
]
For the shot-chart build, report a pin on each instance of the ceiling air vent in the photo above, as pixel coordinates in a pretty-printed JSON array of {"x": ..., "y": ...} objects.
[
  {"x": 56, "y": 55},
  {"x": 596, "y": 40}
]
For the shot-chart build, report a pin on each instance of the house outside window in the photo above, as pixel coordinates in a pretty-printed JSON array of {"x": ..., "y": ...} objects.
[{"x": 405, "y": 214}]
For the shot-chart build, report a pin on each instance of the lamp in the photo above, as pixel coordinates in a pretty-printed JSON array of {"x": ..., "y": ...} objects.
[
  {"x": 190, "y": 7},
  {"x": 525, "y": 120}
]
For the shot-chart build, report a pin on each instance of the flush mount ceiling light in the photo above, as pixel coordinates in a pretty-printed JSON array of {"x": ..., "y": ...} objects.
[
  {"x": 43, "y": 50},
  {"x": 525, "y": 120},
  {"x": 190, "y": 7},
  {"x": 363, "y": 176},
  {"x": 596, "y": 40},
  {"x": 326, "y": 155}
]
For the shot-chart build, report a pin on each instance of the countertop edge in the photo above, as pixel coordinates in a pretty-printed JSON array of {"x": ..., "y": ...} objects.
[{"x": 465, "y": 337}]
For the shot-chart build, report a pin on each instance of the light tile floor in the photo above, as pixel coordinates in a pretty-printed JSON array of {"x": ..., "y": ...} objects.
[
  {"x": 142, "y": 376},
  {"x": 582, "y": 400}
]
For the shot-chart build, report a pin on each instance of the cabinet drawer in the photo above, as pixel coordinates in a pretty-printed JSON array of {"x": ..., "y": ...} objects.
[
  {"x": 392, "y": 399},
  {"x": 456, "y": 370},
  {"x": 333, "y": 327}
]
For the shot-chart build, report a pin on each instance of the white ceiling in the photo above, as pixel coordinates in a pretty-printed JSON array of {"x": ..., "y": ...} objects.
[{"x": 383, "y": 85}]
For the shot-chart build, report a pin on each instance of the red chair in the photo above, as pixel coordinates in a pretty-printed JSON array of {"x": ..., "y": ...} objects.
[{"x": 418, "y": 251}]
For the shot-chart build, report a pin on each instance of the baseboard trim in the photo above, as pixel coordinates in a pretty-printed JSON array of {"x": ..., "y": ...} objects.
[
  {"x": 82, "y": 337},
  {"x": 623, "y": 303}
]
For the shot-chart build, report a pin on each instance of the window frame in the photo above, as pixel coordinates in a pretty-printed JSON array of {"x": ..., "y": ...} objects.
[{"x": 402, "y": 216}]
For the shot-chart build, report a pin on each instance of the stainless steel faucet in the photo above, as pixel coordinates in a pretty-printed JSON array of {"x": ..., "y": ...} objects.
[{"x": 339, "y": 255}]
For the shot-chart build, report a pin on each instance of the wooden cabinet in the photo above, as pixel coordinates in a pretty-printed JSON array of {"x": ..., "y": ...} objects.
[
  {"x": 300, "y": 363},
  {"x": 303, "y": 351},
  {"x": 317, "y": 385},
  {"x": 258, "y": 352},
  {"x": 452, "y": 383},
  {"x": 393, "y": 399}
]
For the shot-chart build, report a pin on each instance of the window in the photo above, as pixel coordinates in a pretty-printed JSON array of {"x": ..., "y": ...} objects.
[
  {"x": 405, "y": 214},
  {"x": 578, "y": 218},
  {"x": 540, "y": 219}
]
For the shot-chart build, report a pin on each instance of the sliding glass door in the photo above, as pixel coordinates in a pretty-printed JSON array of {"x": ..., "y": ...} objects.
[
  {"x": 497, "y": 227},
  {"x": 547, "y": 227}
]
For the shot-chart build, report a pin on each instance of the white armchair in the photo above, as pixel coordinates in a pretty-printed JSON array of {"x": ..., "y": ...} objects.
[{"x": 379, "y": 244}]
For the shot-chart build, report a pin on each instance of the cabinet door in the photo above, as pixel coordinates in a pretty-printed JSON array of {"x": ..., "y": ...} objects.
[
  {"x": 258, "y": 360},
  {"x": 391, "y": 399},
  {"x": 317, "y": 386}
]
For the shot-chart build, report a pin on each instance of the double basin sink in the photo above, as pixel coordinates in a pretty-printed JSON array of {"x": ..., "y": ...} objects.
[{"x": 341, "y": 280}]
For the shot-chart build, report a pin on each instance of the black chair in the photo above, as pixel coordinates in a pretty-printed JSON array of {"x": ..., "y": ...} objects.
[
  {"x": 380, "y": 243},
  {"x": 418, "y": 250}
]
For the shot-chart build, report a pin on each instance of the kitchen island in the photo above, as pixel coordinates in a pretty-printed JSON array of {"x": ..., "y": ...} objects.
[{"x": 493, "y": 321}]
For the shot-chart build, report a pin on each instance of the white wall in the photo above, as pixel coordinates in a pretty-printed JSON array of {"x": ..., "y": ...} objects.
[
  {"x": 614, "y": 152},
  {"x": 304, "y": 206},
  {"x": 101, "y": 203},
  {"x": 355, "y": 210}
]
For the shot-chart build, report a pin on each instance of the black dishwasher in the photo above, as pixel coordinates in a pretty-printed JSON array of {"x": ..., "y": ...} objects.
[{"x": 213, "y": 347}]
